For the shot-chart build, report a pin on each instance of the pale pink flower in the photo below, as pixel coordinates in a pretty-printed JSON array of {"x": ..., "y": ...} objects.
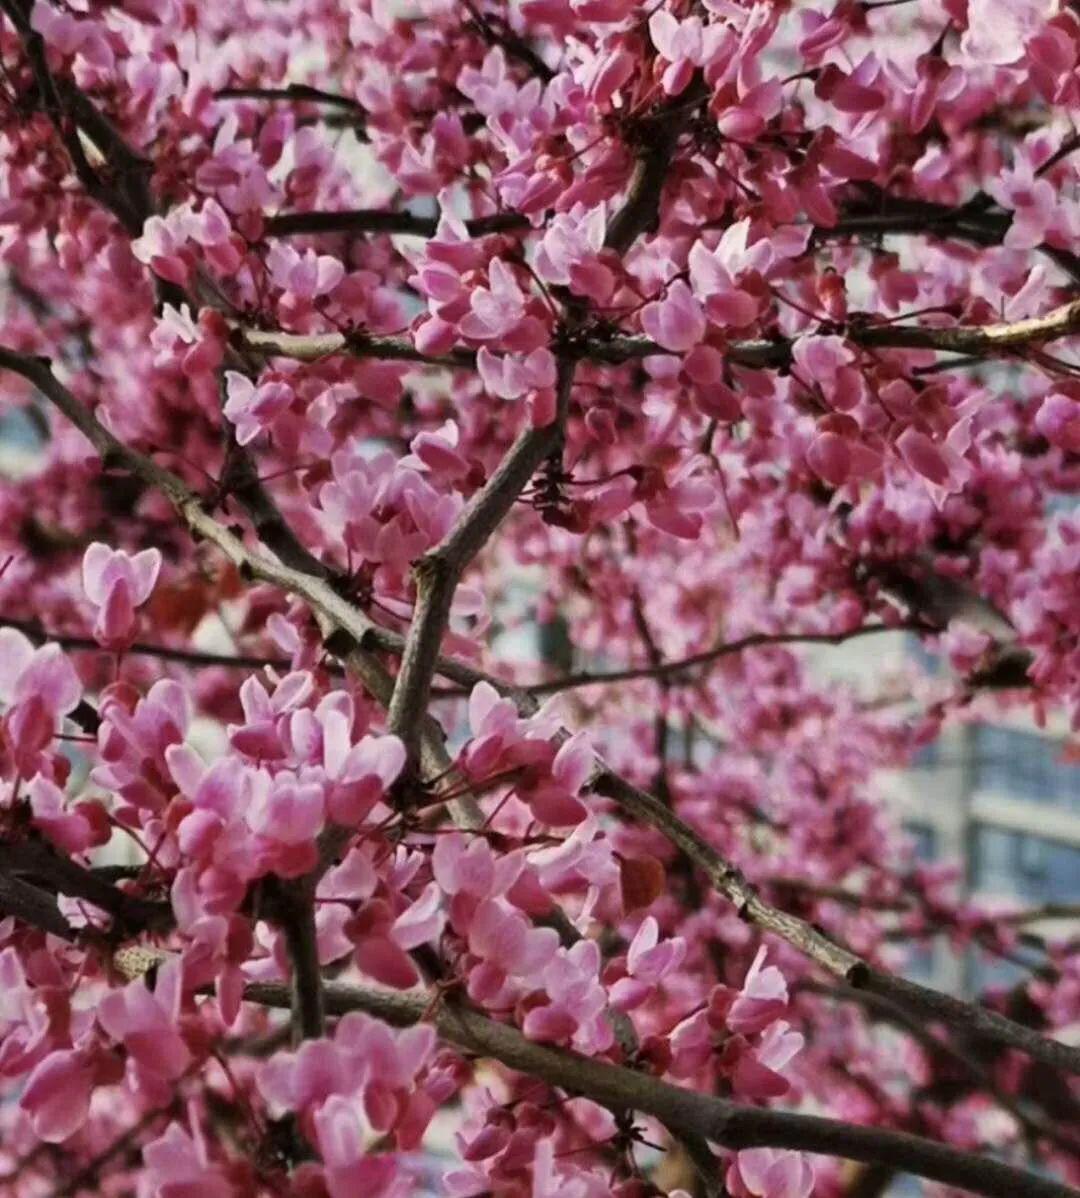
[
  {"x": 770, "y": 1173},
  {"x": 117, "y": 583}
]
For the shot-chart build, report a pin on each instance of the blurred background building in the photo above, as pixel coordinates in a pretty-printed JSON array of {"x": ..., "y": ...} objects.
[{"x": 1001, "y": 798}]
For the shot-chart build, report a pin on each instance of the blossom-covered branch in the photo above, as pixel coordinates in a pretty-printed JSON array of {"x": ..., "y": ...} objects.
[{"x": 714, "y": 1119}]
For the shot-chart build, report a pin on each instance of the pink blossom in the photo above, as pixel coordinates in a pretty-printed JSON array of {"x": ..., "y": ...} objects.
[
  {"x": 497, "y": 313},
  {"x": 1058, "y": 419},
  {"x": 145, "y": 1023},
  {"x": 69, "y": 35},
  {"x": 1033, "y": 202},
  {"x": 117, "y": 583},
  {"x": 74, "y": 827},
  {"x": 770, "y": 1173},
  {"x": 762, "y": 1000},
  {"x": 57, "y": 1094},
  {"x": 507, "y": 946},
  {"x": 569, "y": 255},
  {"x": 286, "y": 810},
  {"x": 40, "y": 687},
  {"x": 349, "y": 1168},
  {"x": 685, "y": 44},
  {"x": 675, "y": 322},
  {"x": 438, "y": 452},
  {"x": 713, "y": 274},
  {"x": 575, "y": 1011},
  {"x": 997, "y": 29},
  {"x": 304, "y": 276},
  {"x": 254, "y": 408},
  {"x": 511, "y": 377},
  {"x": 647, "y": 961},
  {"x": 179, "y": 1163}
]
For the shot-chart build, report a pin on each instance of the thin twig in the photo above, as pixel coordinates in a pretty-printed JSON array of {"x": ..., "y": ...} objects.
[
  {"x": 670, "y": 669},
  {"x": 188, "y": 657}
]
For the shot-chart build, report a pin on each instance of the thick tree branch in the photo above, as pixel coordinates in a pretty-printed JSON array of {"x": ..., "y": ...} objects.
[
  {"x": 657, "y": 142},
  {"x": 33, "y": 906},
  {"x": 291, "y": 907},
  {"x": 714, "y": 1119},
  {"x": 34, "y": 861},
  {"x": 312, "y": 347},
  {"x": 883, "y": 214}
]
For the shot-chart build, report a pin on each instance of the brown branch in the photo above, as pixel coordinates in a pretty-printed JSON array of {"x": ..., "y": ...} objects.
[
  {"x": 669, "y": 669},
  {"x": 974, "y": 339},
  {"x": 371, "y": 220},
  {"x": 496, "y": 31},
  {"x": 187, "y": 657},
  {"x": 971, "y": 1019},
  {"x": 33, "y": 906},
  {"x": 127, "y": 194},
  {"x": 713, "y": 1119},
  {"x": 884, "y": 214},
  {"x": 128, "y": 197},
  {"x": 655, "y": 150},
  {"x": 34, "y": 861},
  {"x": 841, "y": 962},
  {"x": 438, "y": 572},
  {"x": 240, "y": 479},
  {"x": 1059, "y": 155},
  {"x": 294, "y": 93},
  {"x": 981, "y": 341},
  {"x": 291, "y": 907},
  {"x": 88, "y": 1177},
  {"x": 312, "y": 347},
  {"x": 1046, "y": 911}
]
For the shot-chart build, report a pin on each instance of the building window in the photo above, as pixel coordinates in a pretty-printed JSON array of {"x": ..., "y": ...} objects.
[
  {"x": 921, "y": 955},
  {"x": 923, "y": 841},
  {"x": 1024, "y": 866},
  {"x": 1024, "y": 765}
]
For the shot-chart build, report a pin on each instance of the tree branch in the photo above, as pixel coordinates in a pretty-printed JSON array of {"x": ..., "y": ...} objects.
[
  {"x": 978, "y": 341},
  {"x": 438, "y": 572},
  {"x": 715, "y": 1119},
  {"x": 496, "y": 31},
  {"x": 36, "y": 861},
  {"x": 187, "y": 657},
  {"x": 883, "y": 214},
  {"x": 371, "y": 220},
  {"x": 886, "y": 1011},
  {"x": 69, "y": 110},
  {"x": 669, "y": 669},
  {"x": 291, "y": 906},
  {"x": 292, "y": 92}
]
